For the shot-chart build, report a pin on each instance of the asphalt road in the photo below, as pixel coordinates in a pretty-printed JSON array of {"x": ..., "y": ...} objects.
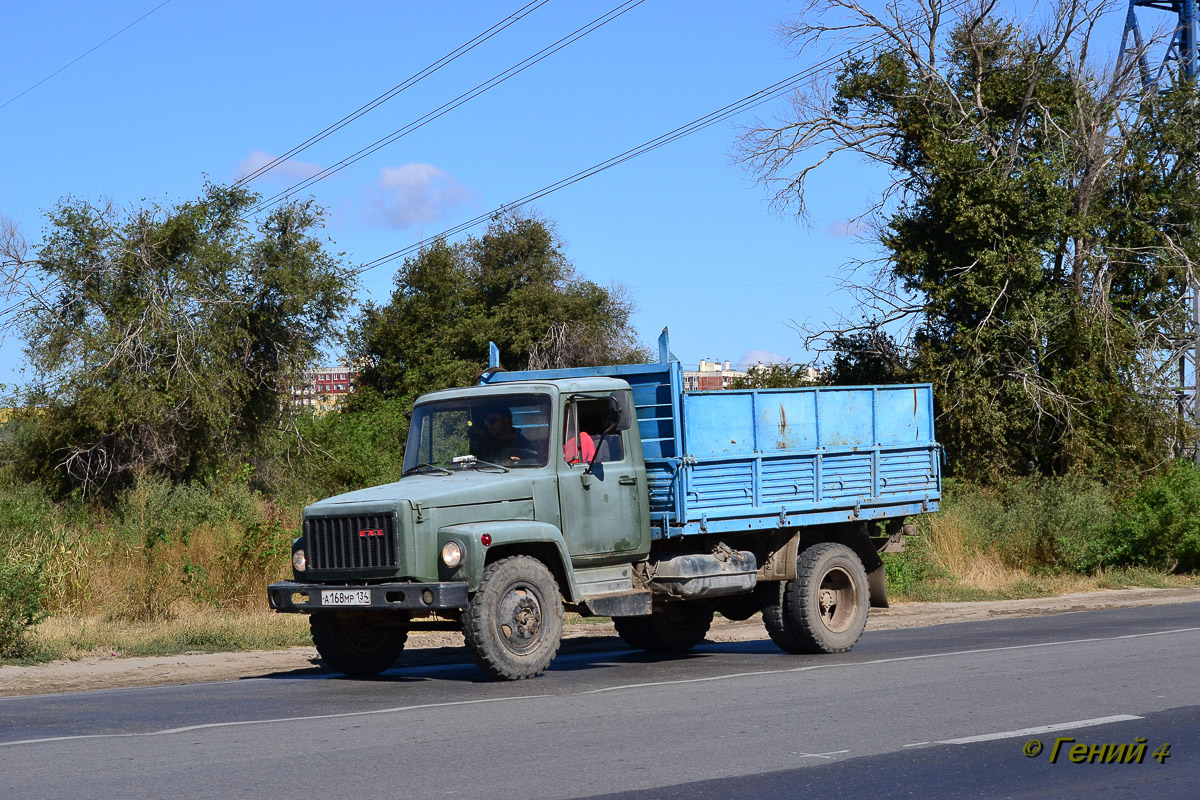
[{"x": 944, "y": 711}]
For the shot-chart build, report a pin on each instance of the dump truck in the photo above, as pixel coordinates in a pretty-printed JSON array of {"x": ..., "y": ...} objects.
[{"x": 610, "y": 491}]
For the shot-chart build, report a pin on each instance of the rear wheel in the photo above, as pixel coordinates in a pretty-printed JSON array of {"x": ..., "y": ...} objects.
[
  {"x": 513, "y": 625},
  {"x": 824, "y": 610},
  {"x": 672, "y": 628},
  {"x": 358, "y": 643}
]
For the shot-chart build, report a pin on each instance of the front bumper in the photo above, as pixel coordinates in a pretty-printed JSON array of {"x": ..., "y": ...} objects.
[{"x": 298, "y": 598}]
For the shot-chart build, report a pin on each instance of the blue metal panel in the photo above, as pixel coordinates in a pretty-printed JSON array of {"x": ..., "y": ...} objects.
[
  {"x": 790, "y": 451},
  {"x": 786, "y": 421},
  {"x": 903, "y": 472},
  {"x": 721, "y": 485},
  {"x": 661, "y": 479},
  {"x": 901, "y": 415},
  {"x": 789, "y": 480},
  {"x": 846, "y": 418},
  {"x": 847, "y": 476},
  {"x": 756, "y": 519},
  {"x": 718, "y": 423}
]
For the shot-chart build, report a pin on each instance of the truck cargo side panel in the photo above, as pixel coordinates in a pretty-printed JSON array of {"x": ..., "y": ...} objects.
[{"x": 752, "y": 458}]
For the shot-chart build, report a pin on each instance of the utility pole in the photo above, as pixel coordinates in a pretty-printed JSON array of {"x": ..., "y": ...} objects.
[{"x": 1180, "y": 62}]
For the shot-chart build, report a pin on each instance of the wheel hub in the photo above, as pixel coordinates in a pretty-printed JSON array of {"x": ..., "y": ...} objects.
[
  {"x": 836, "y": 599},
  {"x": 519, "y": 619},
  {"x": 828, "y": 601},
  {"x": 527, "y": 617}
]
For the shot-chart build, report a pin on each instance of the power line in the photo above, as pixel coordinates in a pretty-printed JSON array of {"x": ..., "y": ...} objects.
[
  {"x": 748, "y": 102},
  {"x": 691, "y": 286},
  {"x": 445, "y": 108},
  {"x": 696, "y": 125},
  {"x": 461, "y": 50},
  {"x": 89, "y": 52}
]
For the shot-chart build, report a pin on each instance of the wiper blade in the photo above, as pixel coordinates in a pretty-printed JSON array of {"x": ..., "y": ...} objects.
[
  {"x": 426, "y": 466},
  {"x": 481, "y": 463},
  {"x": 470, "y": 462}
]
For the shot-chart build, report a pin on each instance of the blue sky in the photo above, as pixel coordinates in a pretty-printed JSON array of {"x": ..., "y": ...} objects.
[{"x": 208, "y": 89}]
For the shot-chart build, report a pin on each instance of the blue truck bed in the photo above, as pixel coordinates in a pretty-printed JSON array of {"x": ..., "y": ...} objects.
[{"x": 742, "y": 460}]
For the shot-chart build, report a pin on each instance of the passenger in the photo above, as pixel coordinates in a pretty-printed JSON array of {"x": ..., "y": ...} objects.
[{"x": 579, "y": 449}]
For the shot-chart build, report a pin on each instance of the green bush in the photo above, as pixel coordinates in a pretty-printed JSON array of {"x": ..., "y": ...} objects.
[
  {"x": 910, "y": 569},
  {"x": 1159, "y": 526},
  {"x": 360, "y": 447},
  {"x": 1040, "y": 524},
  {"x": 22, "y": 588}
]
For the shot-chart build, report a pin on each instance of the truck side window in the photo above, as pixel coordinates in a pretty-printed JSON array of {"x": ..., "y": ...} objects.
[{"x": 584, "y": 424}]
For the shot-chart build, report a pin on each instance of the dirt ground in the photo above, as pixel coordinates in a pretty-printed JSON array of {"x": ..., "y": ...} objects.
[{"x": 441, "y": 648}]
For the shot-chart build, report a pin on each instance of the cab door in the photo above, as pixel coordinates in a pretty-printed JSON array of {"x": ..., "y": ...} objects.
[{"x": 605, "y": 514}]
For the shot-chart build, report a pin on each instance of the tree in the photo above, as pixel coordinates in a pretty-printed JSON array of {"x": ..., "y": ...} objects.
[
  {"x": 163, "y": 338},
  {"x": 1038, "y": 233},
  {"x": 513, "y": 286},
  {"x": 778, "y": 376}
]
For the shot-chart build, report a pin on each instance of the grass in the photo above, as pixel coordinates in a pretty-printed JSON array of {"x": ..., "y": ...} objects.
[
  {"x": 1015, "y": 584},
  {"x": 197, "y": 631},
  {"x": 989, "y": 545}
]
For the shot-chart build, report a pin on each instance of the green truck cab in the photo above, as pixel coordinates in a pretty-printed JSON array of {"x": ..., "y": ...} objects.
[{"x": 576, "y": 489}]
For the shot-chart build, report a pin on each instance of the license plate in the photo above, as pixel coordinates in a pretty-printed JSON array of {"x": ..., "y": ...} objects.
[{"x": 346, "y": 597}]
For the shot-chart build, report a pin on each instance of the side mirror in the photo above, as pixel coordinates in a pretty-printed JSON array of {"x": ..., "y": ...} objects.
[{"x": 620, "y": 410}]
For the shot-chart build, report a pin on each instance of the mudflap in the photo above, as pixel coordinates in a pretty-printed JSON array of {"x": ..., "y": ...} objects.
[{"x": 877, "y": 586}]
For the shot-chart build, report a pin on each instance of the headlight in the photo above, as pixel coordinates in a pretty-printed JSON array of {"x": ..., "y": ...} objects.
[
  {"x": 452, "y": 554},
  {"x": 299, "y": 562}
]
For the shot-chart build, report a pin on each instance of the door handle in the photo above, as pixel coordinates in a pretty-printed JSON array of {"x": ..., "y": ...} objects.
[{"x": 627, "y": 480}]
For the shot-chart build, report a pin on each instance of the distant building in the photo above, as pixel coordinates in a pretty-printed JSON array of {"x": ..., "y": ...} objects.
[
  {"x": 809, "y": 374},
  {"x": 324, "y": 388},
  {"x": 710, "y": 376},
  {"x": 713, "y": 376}
]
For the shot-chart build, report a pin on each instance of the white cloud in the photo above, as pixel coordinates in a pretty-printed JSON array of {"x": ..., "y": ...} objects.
[
  {"x": 843, "y": 228},
  {"x": 289, "y": 170},
  {"x": 760, "y": 356},
  {"x": 413, "y": 194}
]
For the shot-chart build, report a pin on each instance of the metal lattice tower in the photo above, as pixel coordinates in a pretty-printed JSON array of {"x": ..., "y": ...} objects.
[{"x": 1180, "y": 62}]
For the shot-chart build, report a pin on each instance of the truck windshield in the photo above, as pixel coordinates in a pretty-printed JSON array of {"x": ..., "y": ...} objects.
[{"x": 512, "y": 430}]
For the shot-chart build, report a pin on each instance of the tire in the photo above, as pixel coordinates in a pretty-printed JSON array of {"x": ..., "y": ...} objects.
[
  {"x": 356, "y": 643},
  {"x": 672, "y": 628},
  {"x": 771, "y": 594},
  {"x": 824, "y": 610},
  {"x": 739, "y": 607},
  {"x": 513, "y": 624},
  {"x": 632, "y": 632}
]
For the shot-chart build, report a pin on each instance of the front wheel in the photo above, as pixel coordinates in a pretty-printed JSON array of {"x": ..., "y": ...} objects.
[
  {"x": 513, "y": 625},
  {"x": 357, "y": 643}
]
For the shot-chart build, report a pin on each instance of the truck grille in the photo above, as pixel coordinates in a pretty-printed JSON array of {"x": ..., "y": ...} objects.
[{"x": 349, "y": 543}]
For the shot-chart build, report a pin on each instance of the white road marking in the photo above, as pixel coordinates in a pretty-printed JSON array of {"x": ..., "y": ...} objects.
[
  {"x": 400, "y": 709},
  {"x": 236, "y": 723},
  {"x": 878, "y": 661},
  {"x": 1058, "y": 726},
  {"x": 828, "y": 756}
]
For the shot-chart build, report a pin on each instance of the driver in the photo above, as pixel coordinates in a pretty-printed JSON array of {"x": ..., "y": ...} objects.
[{"x": 503, "y": 442}]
